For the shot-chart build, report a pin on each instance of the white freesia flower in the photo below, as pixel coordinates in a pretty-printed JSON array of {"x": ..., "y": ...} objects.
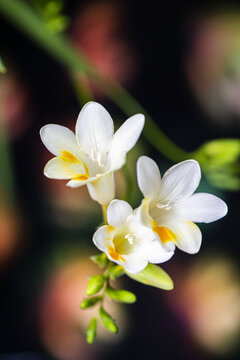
[
  {"x": 172, "y": 204},
  {"x": 92, "y": 154},
  {"x": 131, "y": 239}
]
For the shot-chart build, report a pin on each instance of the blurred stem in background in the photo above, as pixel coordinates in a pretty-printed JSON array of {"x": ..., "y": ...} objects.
[
  {"x": 23, "y": 16},
  {"x": 6, "y": 178},
  {"x": 32, "y": 24},
  {"x": 129, "y": 184},
  {"x": 83, "y": 92},
  {"x": 2, "y": 67}
]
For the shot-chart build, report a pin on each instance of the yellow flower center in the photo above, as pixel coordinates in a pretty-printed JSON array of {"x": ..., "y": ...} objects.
[{"x": 122, "y": 244}]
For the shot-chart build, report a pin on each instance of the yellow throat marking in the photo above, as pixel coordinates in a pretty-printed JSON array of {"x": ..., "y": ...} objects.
[
  {"x": 164, "y": 233},
  {"x": 112, "y": 252},
  {"x": 71, "y": 159}
]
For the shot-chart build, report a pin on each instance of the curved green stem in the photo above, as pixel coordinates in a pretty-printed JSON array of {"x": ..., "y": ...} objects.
[
  {"x": 24, "y": 17},
  {"x": 83, "y": 91}
]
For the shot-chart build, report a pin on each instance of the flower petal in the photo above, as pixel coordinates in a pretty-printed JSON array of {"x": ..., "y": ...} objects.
[
  {"x": 102, "y": 238},
  {"x": 135, "y": 262},
  {"x": 77, "y": 183},
  {"x": 102, "y": 190},
  {"x": 58, "y": 138},
  {"x": 189, "y": 236},
  {"x": 57, "y": 168},
  {"x": 124, "y": 139},
  {"x": 156, "y": 253},
  {"x": 118, "y": 212},
  {"x": 180, "y": 181},
  {"x": 163, "y": 217},
  {"x": 148, "y": 176},
  {"x": 202, "y": 207},
  {"x": 94, "y": 130},
  {"x": 141, "y": 216}
]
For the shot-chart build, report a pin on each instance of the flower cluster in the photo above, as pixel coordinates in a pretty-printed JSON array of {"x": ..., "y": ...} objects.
[
  {"x": 163, "y": 221},
  {"x": 131, "y": 238}
]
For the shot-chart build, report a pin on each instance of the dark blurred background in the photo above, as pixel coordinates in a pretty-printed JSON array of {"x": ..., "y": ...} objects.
[{"x": 182, "y": 63}]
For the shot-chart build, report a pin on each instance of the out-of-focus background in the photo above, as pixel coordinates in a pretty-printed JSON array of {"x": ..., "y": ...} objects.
[{"x": 182, "y": 63}]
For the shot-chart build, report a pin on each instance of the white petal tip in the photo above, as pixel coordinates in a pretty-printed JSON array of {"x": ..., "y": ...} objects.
[
  {"x": 193, "y": 162},
  {"x": 46, "y": 174},
  {"x": 141, "y": 120},
  {"x": 226, "y": 210},
  {"x": 193, "y": 252},
  {"x": 45, "y": 128},
  {"x": 74, "y": 184},
  {"x": 92, "y": 104}
]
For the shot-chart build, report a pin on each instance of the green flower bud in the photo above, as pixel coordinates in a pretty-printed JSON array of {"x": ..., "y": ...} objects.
[
  {"x": 101, "y": 259},
  {"x": 121, "y": 295},
  {"x": 95, "y": 284},
  {"x": 91, "y": 331},
  {"x": 89, "y": 302},
  {"x": 107, "y": 321},
  {"x": 116, "y": 271},
  {"x": 155, "y": 276}
]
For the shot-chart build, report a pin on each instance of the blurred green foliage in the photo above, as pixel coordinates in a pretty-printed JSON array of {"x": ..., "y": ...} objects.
[
  {"x": 2, "y": 67},
  {"x": 220, "y": 161},
  {"x": 51, "y": 12}
]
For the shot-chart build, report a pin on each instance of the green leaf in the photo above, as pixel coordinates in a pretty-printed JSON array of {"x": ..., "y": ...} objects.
[
  {"x": 91, "y": 331},
  {"x": 101, "y": 259},
  {"x": 123, "y": 296},
  {"x": 116, "y": 271},
  {"x": 107, "y": 321},
  {"x": 153, "y": 275},
  {"x": 95, "y": 284},
  {"x": 89, "y": 302}
]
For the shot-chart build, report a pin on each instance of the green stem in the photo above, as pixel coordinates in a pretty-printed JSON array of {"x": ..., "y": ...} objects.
[
  {"x": 128, "y": 104},
  {"x": 104, "y": 214},
  {"x": 83, "y": 91},
  {"x": 23, "y": 16}
]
